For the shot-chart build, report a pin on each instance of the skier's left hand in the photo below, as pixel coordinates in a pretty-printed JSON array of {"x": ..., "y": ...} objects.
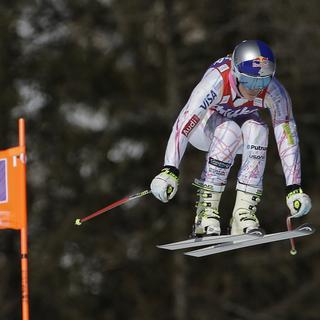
[{"x": 298, "y": 202}]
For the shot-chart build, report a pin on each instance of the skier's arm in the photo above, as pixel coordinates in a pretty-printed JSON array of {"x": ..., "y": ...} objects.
[
  {"x": 285, "y": 130},
  {"x": 209, "y": 90},
  {"x": 205, "y": 94},
  {"x": 279, "y": 104}
]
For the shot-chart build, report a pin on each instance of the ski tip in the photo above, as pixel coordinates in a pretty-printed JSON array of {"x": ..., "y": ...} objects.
[
  {"x": 307, "y": 228},
  {"x": 78, "y": 222}
]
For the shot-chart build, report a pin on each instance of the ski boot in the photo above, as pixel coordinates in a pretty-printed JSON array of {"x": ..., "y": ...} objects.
[
  {"x": 244, "y": 219},
  {"x": 207, "y": 220}
]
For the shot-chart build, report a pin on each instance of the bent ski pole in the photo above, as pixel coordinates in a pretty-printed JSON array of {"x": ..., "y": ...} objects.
[{"x": 118, "y": 203}]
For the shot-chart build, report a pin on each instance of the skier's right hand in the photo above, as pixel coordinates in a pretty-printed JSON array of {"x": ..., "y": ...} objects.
[{"x": 165, "y": 185}]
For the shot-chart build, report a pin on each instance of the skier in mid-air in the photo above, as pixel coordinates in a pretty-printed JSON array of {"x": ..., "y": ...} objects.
[{"x": 222, "y": 118}]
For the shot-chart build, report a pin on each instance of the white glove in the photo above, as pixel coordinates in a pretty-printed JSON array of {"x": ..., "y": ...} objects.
[
  {"x": 165, "y": 185},
  {"x": 298, "y": 202}
]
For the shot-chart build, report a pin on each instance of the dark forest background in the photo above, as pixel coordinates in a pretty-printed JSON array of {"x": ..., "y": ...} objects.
[{"x": 100, "y": 83}]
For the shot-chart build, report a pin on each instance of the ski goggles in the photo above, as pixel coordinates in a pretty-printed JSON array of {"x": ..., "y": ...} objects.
[{"x": 253, "y": 83}]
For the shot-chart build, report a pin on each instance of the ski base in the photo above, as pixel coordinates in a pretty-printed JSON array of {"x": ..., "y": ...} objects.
[
  {"x": 208, "y": 240},
  {"x": 301, "y": 231}
]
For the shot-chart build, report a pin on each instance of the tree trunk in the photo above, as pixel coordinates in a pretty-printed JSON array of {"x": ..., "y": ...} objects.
[{"x": 172, "y": 103}]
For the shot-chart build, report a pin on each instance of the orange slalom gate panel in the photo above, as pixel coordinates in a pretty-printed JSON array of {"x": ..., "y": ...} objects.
[{"x": 13, "y": 188}]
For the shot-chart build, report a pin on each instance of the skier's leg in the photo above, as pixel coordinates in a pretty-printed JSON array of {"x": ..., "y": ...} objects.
[
  {"x": 250, "y": 177},
  {"x": 226, "y": 137}
]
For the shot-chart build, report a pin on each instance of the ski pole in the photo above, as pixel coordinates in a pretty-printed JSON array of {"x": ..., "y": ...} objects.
[
  {"x": 293, "y": 250},
  {"x": 118, "y": 203}
]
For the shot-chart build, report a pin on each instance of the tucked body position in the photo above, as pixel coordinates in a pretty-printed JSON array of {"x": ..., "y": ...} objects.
[{"x": 222, "y": 118}]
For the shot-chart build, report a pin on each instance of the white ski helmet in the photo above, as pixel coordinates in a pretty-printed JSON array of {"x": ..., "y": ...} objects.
[{"x": 253, "y": 64}]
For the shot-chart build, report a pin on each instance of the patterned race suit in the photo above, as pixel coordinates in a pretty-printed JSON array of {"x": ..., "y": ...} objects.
[{"x": 218, "y": 120}]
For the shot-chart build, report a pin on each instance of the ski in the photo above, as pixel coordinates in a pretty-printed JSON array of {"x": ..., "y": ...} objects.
[
  {"x": 303, "y": 230},
  {"x": 208, "y": 240}
]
